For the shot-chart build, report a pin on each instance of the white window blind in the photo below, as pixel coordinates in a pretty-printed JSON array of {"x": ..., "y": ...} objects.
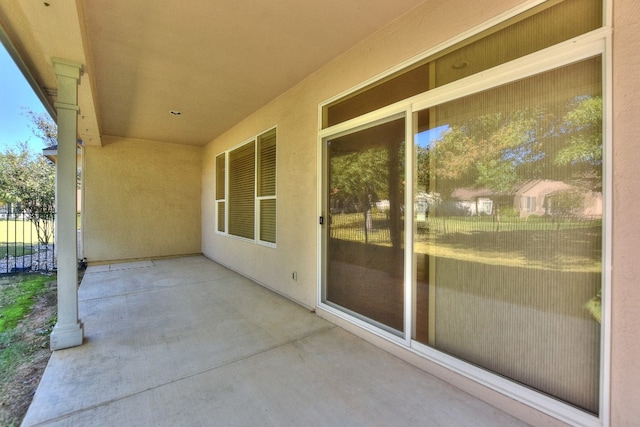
[
  {"x": 245, "y": 190},
  {"x": 267, "y": 186},
  {"x": 220, "y": 192},
  {"x": 242, "y": 191}
]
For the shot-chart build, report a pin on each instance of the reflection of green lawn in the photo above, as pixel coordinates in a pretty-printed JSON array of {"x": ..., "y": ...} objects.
[
  {"x": 572, "y": 246},
  {"x": 576, "y": 249},
  {"x": 559, "y": 262},
  {"x": 486, "y": 223},
  {"x": 351, "y": 227}
]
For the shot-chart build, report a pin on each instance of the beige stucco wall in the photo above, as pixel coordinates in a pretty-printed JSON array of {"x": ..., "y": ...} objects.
[
  {"x": 625, "y": 369},
  {"x": 142, "y": 200},
  {"x": 296, "y": 115}
]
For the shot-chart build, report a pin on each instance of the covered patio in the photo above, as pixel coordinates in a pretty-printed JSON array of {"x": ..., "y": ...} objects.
[
  {"x": 205, "y": 134},
  {"x": 185, "y": 341}
]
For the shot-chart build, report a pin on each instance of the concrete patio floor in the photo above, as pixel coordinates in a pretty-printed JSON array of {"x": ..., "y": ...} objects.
[{"x": 187, "y": 342}]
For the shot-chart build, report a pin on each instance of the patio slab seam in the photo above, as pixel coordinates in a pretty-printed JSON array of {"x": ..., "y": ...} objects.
[
  {"x": 108, "y": 268},
  {"x": 186, "y": 377},
  {"x": 141, "y": 291}
]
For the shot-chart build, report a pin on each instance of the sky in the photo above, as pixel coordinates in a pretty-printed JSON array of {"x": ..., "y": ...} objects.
[
  {"x": 431, "y": 136},
  {"x": 15, "y": 93}
]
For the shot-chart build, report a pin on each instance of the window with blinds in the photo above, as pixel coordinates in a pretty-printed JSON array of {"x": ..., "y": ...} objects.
[
  {"x": 246, "y": 190},
  {"x": 267, "y": 186},
  {"x": 220, "y": 191},
  {"x": 242, "y": 164}
]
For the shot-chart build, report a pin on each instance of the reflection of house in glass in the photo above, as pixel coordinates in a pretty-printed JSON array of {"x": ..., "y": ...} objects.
[
  {"x": 556, "y": 198},
  {"x": 539, "y": 197},
  {"x": 472, "y": 201},
  {"x": 424, "y": 202}
]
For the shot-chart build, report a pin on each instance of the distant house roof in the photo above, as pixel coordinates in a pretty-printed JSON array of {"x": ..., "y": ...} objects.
[
  {"x": 51, "y": 152},
  {"x": 472, "y": 193},
  {"x": 541, "y": 186}
]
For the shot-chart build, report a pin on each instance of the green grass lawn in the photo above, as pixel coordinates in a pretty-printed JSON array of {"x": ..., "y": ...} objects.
[
  {"x": 18, "y": 294},
  {"x": 15, "y": 249},
  {"x": 27, "y": 316}
]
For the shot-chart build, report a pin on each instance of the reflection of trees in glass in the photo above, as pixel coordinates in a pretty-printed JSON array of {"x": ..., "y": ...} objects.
[
  {"x": 583, "y": 125},
  {"x": 486, "y": 150},
  {"x": 566, "y": 203},
  {"x": 550, "y": 157},
  {"x": 422, "y": 159},
  {"x": 358, "y": 178},
  {"x": 497, "y": 151}
]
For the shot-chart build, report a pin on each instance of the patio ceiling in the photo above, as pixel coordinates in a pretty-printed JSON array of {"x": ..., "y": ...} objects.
[{"x": 215, "y": 62}]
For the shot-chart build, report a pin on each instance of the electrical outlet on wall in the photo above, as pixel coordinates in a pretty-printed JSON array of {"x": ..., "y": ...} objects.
[{"x": 294, "y": 275}]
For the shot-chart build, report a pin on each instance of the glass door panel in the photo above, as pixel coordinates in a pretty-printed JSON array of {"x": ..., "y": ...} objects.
[
  {"x": 508, "y": 230},
  {"x": 364, "y": 249}
]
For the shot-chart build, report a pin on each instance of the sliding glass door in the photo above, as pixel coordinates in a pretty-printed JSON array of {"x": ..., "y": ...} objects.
[
  {"x": 364, "y": 230},
  {"x": 473, "y": 224},
  {"x": 508, "y": 230}
]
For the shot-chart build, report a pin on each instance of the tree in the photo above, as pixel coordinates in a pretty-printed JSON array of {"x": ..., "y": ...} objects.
[
  {"x": 368, "y": 171},
  {"x": 361, "y": 175},
  {"x": 566, "y": 203},
  {"x": 500, "y": 150},
  {"x": 583, "y": 124},
  {"x": 423, "y": 170},
  {"x": 43, "y": 127},
  {"x": 28, "y": 179}
]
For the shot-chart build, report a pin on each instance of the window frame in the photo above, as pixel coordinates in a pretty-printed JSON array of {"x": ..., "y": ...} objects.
[
  {"x": 218, "y": 201},
  {"x": 594, "y": 43},
  {"x": 258, "y": 199}
]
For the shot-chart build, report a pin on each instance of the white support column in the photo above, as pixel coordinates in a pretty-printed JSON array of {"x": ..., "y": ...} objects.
[{"x": 68, "y": 332}]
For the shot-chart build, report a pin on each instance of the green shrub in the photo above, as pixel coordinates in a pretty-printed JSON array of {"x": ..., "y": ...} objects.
[{"x": 509, "y": 212}]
